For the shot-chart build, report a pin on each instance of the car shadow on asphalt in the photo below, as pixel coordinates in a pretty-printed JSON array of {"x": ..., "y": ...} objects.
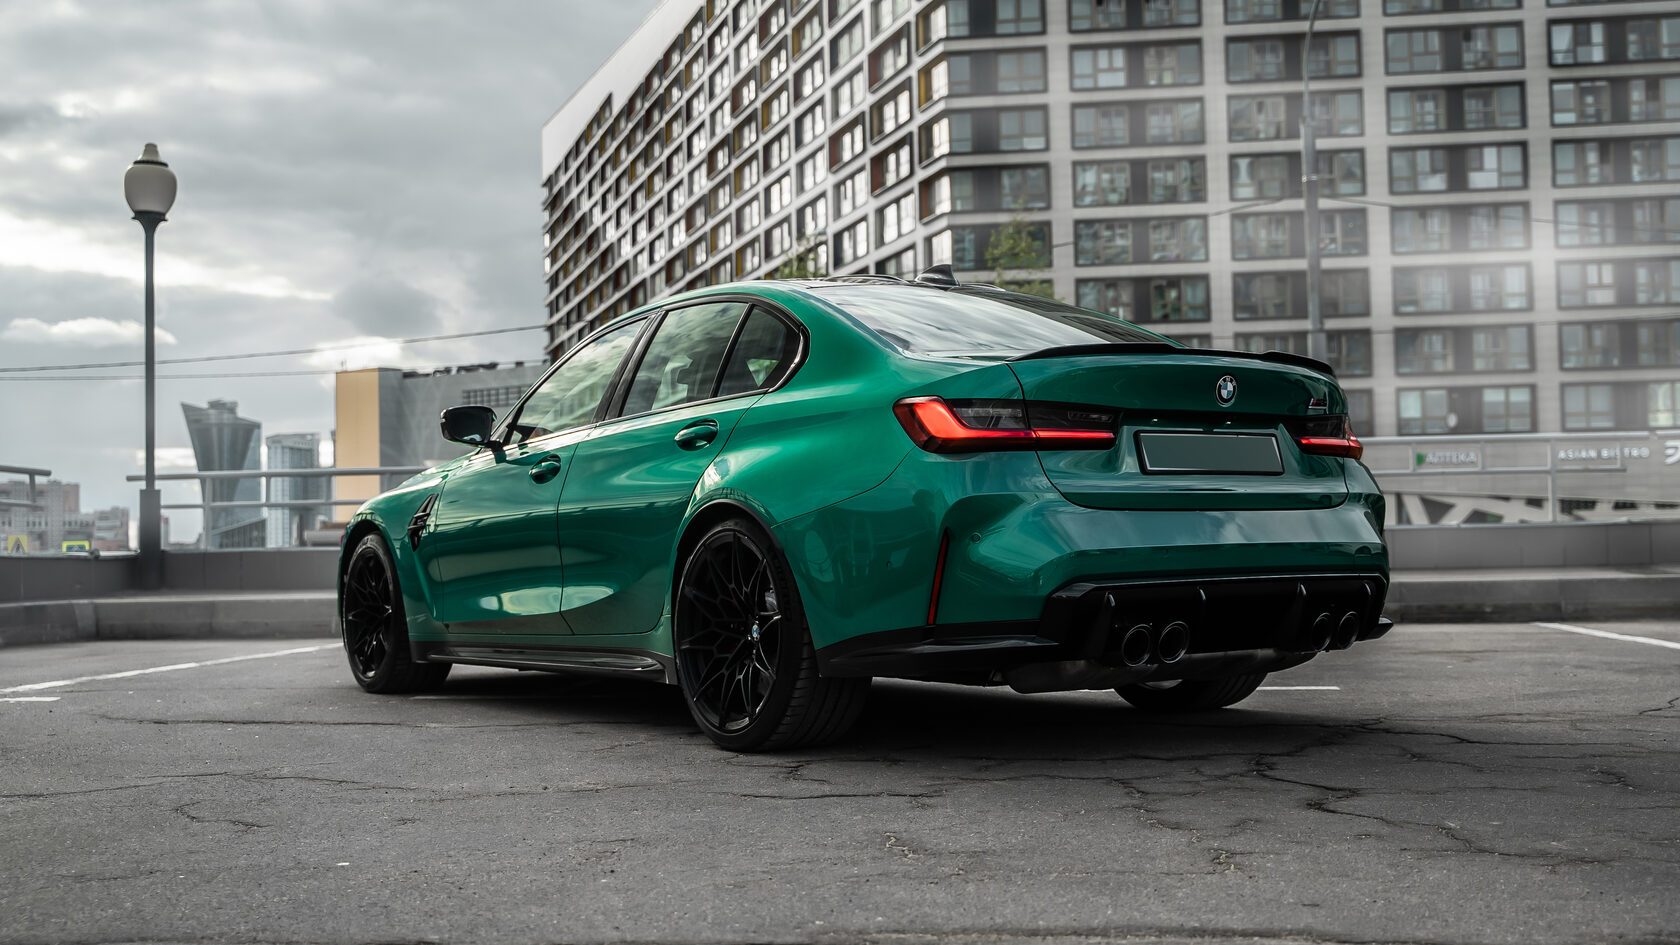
[{"x": 935, "y": 720}]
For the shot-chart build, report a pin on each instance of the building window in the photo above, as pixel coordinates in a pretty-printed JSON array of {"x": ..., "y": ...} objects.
[
  {"x": 1423, "y": 351},
  {"x": 1492, "y": 47},
  {"x": 1025, "y": 188},
  {"x": 1113, "y": 296},
  {"x": 1169, "y": 12},
  {"x": 1177, "y": 180},
  {"x": 1099, "y": 67},
  {"x": 1499, "y": 227},
  {"x": 1341, "y": 232},
  {"x": 1344, "y": 292},
  {"x": 1262, "y": 176},
  {"x": 1589, "y": 345},
  {"x": 1495, "y": 167},
  {"x": 1588, "y": 407},
  {"x": 1174, "y": 122},
  {"x": 1102, "y": 242},
  {"x": 850, "y": 194},
  {"x": 1499, "y": 288},
  {"x": 1417, "y": 170},
  {"x": 1178, "y": 299},
  {"x": 1653, "y": 39},
  {"x": 1263, "y": 295},
  {"x": 846, "y": 44},
  {"x": 1021, "y": 129},
  {"x": 1254, "y": 60},
  {"x": 1662, "y": 403},
  {"x": 1581, "y": 103},
  {"x": 1425, "y": 230},
  {"x": 1173, "y": 65},
  {"x": 1585, "y": 284},
  {"x": 1100, "y": 126},
  {"x": 1585, "y": 224},
  {"x": 1423, "y": 411},
  {"x": 1507, "y": 409},
  {"x": 1654, "y": 99},
  {"x": 1494, "y": 106},
  {"x": 891, "y": 113},
  {"x": 1421, "y": 290},
  {"x": 1261, "y": 236},
  {"x": 1658, "y": 343},
  {"x": 1018, "y": 16},
  {"x": 1338, "y": 114},
  {"x": 1087, "y": 15},
  {"x": 1576, "y": 44},
  {"x": 1412, "y": 111},
  {"x": 1102, "y": 184},
  {"x": 1181, "y": 240},
  {"x": 1654, "y": 159},
  {"x": 1500, "y": 348},
  {"x": 1413, "y": 51},
  {"x": 1259, "y": 118},
  {"x": 1021, "y": 71},
  {"x": 1580, "y": 164},
  {"x": 1655, "y": 280}
]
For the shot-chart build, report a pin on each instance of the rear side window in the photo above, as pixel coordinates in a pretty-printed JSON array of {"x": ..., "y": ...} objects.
[
  {"x": 931, "y": 321},
  {"x": 762, "y": 354},
  {"x": 681, "y": 364}
]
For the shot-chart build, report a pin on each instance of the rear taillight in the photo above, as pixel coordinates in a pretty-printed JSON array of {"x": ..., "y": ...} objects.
[
  {"x": 1327, "y": 436},
  {"x": 975, "y": 426}
]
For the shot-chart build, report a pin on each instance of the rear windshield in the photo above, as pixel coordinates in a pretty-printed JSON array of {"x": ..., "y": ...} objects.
[{"x": 930, "y": 321}]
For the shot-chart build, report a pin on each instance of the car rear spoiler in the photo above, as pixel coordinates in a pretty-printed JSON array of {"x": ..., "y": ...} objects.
[{"x": 1161, "y": 347}]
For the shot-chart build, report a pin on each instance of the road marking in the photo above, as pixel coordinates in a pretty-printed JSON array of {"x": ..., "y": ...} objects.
[
  {"x": 1608, "y": 635},
  {"x": 30, "y": 699},
  {"x": 1300, "y": 688},
  {"x": 61, "y": 683}
]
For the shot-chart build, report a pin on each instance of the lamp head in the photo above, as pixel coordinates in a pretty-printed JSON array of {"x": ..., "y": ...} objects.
[{"x": 149, "y": 184}]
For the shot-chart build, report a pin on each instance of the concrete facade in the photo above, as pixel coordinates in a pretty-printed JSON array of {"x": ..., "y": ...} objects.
[{"x": 1500, "y": 179}]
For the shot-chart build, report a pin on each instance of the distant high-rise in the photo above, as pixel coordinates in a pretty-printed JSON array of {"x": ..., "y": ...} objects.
[
  {"x": 224, "y": 440},
  {"x": 287, "y": 524}
]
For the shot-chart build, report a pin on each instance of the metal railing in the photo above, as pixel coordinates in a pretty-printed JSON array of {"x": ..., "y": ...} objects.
[
  {"x": 32, "y": 473},
  {"x": 207, "y": 504}
]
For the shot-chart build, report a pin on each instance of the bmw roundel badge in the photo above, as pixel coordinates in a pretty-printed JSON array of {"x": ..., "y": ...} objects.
[{"x": 1225, "y": 391}]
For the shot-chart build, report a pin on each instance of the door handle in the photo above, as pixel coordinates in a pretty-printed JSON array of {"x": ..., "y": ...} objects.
[
  {"x": 697, "y": 435},
  {"x": 546, "y": 468}
]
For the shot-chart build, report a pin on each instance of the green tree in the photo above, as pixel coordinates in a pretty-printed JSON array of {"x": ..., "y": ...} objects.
[
  {"x": 1019, "y": 255},
  {"x": 805, "y": 262}
]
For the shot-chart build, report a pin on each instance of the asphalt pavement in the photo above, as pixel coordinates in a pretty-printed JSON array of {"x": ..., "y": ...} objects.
[{"x": 1486, "y": 783}]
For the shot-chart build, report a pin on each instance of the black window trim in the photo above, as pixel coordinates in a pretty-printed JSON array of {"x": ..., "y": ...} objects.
[
  {"x": 613, "y": 403},
  {"x": 498, "y": 439}
]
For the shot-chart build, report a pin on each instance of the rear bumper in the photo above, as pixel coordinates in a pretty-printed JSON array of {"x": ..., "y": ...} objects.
[{"x": 1101, "y": 633}]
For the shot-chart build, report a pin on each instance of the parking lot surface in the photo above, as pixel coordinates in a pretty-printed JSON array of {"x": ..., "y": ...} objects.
[{"x": 1455, "y": 784}]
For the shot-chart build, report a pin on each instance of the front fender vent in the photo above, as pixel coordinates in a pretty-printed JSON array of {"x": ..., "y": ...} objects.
[{"x": 417, "y": 524}]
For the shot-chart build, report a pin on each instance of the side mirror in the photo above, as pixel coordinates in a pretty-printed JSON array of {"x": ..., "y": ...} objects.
[{"x": 470, "y": 425}]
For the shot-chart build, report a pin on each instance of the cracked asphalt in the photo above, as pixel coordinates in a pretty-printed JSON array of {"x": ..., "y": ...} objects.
[{"x": 1463, "y": 784}]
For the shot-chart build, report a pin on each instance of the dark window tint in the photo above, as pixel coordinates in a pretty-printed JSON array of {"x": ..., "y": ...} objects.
[
  {"x": 570, "y": 396},
  {"x": 977, "y": 321},
  {"x": 765, "y": 351},
  {"x": 682, "y": 361}
]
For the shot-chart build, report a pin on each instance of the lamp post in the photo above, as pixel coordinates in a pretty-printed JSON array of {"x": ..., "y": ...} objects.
[
  {"x": 149, "y": 187},
  {"x": 1316, "y": 342}
]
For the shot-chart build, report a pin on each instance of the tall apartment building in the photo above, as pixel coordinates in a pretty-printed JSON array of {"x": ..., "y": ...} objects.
[
  {"x": 1500, "y": 179},
  {"x": 287, "y": 524}
]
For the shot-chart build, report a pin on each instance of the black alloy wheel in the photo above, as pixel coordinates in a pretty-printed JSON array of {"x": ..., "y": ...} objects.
[
  {"x": 376, "y": 626},
  {"x": 1191, "y": 695},
  {"x": 744, "y": 655}
]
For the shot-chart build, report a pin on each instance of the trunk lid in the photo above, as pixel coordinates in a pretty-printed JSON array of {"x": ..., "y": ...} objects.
[{"x": 1179, "y": 446}]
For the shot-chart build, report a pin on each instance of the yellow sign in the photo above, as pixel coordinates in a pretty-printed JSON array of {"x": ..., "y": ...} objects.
[
  {"x": 78, "y": 544},
  {"x": 17, "y": 544}
]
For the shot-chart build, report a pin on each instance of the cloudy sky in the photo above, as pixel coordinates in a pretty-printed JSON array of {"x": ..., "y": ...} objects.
[{"x": 349, "y": 169}]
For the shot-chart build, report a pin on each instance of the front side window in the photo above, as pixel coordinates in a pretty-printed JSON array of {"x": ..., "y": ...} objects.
[{"x": 571, "y": 395}]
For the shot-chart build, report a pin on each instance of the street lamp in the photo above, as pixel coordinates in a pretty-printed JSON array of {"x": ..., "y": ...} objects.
[
  {"x": 1309, "y": 194},
  {"x": 149, "y": 187}
]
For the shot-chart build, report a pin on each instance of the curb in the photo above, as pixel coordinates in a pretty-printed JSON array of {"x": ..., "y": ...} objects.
[{"x": 277, "y": 615}]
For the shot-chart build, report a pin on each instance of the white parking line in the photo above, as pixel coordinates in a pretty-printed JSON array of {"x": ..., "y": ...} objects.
[
  {"x": 1626, "y": 638},
  {"x": 61, "y": 683},
  {"x": 30, "y": 699},
  {"x": 1300, "y": 688}
]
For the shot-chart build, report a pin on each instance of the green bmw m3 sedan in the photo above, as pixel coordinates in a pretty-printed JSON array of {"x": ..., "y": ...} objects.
[{"x": 769, "y": 493}]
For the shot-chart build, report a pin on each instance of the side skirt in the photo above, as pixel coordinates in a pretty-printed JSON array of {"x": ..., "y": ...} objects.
[{"x": 615, "y": 662}]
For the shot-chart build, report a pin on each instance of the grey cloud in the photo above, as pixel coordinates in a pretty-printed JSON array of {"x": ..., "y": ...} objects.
[{"x": 389, "y": 308}]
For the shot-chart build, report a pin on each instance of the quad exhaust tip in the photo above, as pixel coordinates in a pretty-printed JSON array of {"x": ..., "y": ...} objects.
[
  {"x": 1173, "y": 642},
  {"x": 1347, "y": 631},
  {"x": 1322, "y": 634},
  {"x": 1135, "y": 645}
]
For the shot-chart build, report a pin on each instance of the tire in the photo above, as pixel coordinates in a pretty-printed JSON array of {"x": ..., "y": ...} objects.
[
  {"x": 376, "y": 625},
  {"x": 1191, "y": 695},
  {"x": 744, "y": 656}
]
